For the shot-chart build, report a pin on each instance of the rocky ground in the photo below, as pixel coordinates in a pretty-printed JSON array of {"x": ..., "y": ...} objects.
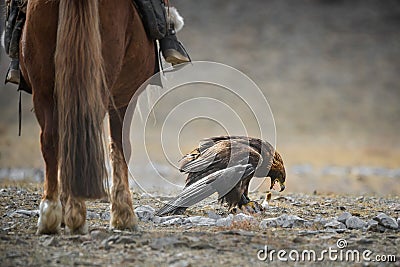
[{"x": 206, "y": 235}]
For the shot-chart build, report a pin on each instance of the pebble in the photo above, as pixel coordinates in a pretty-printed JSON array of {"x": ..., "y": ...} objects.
[
  {"x": 386, "y": 221},
  {"x": 213, "y": 215},
  {"x": 199, "y": 221},
  {"x": 105, "y": 216},
  {"x": 160, "y": 220},
  {"x": 110, "y": 240},
  {"x": 354, "y": 222},
  {"x": 180, "y": 263},
  {"x": 365, "y": 241},
  {"x": 225, "y": 222},
  {"x": 173, "y": 221},
  {"x": 145, "y": 213},
  {"x": 29, "y": 213},
  {"x": 344, "y": 216},
  {"x": 285, "y": 221},
  {"x": 322, "y": 220},
  {"x": 267, "y": 223},
  {"x": 92, "y": 215},
  {"x": 396, "y": 207},
  {"x": 125, "y": 240},
  {"x": 98, "y": 234},
  {"x": 334, "y": 224},
  {"x": 241, "y": 217},
  {"x": 50, "y": 242},
  {"x": 293, "y": 221}
]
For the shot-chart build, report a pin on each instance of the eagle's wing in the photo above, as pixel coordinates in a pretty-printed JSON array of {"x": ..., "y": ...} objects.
[
  {"x": 209, "y": 142},
  {"x": 201, "y": 161},
  {"x": 221, "y": 182}
]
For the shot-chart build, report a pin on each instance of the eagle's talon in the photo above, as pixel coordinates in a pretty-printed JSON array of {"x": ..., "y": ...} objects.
[
  {"x": 252, "y": 207},
  {"x": 233, "y": 210}
]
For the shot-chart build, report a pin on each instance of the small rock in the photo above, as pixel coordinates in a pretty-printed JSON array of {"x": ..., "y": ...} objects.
[
  {"x": 322, "y": 220},
  {"x": 285, "y": 221},
  {"x": 268, "y": 223},
  {"x": 287, "y": 198},
  {"x": 225, "y": 222},
  {"x": 365, "y": 241},
  {"x": 396, "y": 207},
  {"x": 298, "y": 240},
  {"x": 92, "y": 215},
  {"x": 98, "y": 234},
  {"x": 199, "y": 221},
  {"x": 110, "y": 240},
  {"x": 293, "y": 221},
  {"x": 354, "y": 222},
  {"x": 213, "y": 215},
  {"x": 386, "y": 221},
  {"x": 145, "y": 213},
  {"x": 105, "y": 216},
  {"x": 344, "y": 216},
  {"x": 173, "y": 221},
  {"x": 179, "y": 263},
  {"x": 372, "y": 225},
  {"x": 281, "y": 219},
  {"x": 29, "y": 213},
  {"x": 125, "y": 240},
  {"x": 50, "y": 242},
  {"x": 361, "y": 198},
  {"x": 159, "y": 220},
  {"x": 335, "y": 225},
  {"x": 241, "y": 217}
]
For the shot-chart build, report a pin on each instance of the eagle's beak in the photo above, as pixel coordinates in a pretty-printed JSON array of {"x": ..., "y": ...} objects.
[{"x": 282, "y": 186}]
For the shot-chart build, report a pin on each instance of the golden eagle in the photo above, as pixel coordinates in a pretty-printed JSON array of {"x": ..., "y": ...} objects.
[{"x": 226, "y": 164}]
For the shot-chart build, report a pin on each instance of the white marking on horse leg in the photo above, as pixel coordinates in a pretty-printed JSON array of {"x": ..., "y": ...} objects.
[{"x": 50, "y": 214}]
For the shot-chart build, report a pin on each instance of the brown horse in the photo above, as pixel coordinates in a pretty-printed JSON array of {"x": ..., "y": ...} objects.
[{"x": 83, "y": 58}]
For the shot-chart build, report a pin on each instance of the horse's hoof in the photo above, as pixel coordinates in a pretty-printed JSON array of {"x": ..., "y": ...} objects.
[
  {"x": 82, "y": 230},
  {"x": 50, "y": 214},
  {"x": 124, "y": 223}
]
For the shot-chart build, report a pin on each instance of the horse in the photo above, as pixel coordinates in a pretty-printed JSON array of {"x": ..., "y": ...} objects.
[{"x": 82, "y": 59}]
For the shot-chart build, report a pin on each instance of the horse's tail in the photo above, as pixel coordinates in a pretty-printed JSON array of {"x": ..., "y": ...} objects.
[{"x": 80, "y": 88}]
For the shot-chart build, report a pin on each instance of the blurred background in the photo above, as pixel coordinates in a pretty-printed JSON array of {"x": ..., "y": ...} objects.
[{"x": 329, "y": 69}]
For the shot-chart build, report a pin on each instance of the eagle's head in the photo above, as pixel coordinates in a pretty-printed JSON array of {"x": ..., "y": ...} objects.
[{"x": 277, "y": 172}]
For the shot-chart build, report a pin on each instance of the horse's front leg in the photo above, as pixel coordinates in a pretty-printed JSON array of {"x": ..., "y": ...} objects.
[
  {"x": 122, "y": 215},
  {"x": 50, "y": 211}
]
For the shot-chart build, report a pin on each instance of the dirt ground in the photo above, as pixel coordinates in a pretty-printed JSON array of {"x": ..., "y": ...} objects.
[{"x": 159, "y": 245}]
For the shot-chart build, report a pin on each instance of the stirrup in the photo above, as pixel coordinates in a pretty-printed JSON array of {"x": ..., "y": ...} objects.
[{"x": 12, "y": 76}]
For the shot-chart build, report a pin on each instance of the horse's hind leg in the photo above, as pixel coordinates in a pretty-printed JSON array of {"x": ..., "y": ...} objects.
[
  {"x": 50, "y": 211},
  {"x": 122, "y": 215},
  {"x": 75, "y": 215}
]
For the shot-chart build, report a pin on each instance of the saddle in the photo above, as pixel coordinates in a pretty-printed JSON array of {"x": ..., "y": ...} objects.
[
  {"x": 152, "y": 12},
  {"x": 154, "y": 17}
]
